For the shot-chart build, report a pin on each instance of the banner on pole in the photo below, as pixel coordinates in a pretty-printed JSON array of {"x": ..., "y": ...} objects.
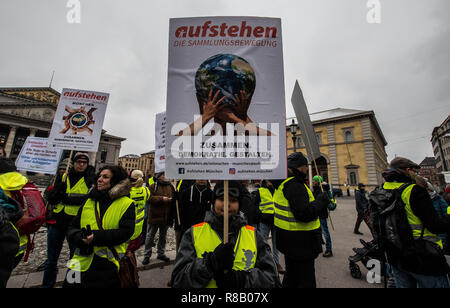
[
  {"x": 160, "y": 142},
  {"x": 36, "y": 156},
  {"x": 304, "y": 122},
  {"x": 78, "y": 120},
  {"x": 225, "y": 99}
]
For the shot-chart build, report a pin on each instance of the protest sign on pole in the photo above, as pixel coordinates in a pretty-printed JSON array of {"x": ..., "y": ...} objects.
[
  {"x": 304, "y": 122},
  {"x": 78, "y": 120},
  {"x": 308, "y": 133},
  {"x": 160, "y": 142},
  {"x": 225, "y": 99},
  {"x": 35, "y": 156}
]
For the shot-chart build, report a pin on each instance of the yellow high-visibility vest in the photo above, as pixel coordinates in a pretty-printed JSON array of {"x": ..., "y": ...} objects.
[
  {"x": 23, "y": 241},
  {"x": 140, "y": 196},
  {"x": 206, "y": 240},
  {"x": 110, "y": 221},
  {"x": 414, "y": 221},
  {"x": 284, "y": 218},
  {"x": 266, "y": 204},
  {"x": 79, "y": 189}
]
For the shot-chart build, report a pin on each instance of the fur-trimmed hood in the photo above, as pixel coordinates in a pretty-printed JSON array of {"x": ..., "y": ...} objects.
[{"x": 121, "y": 189}]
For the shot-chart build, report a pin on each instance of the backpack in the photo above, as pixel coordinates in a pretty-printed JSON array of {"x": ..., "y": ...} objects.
[
  {"x": 333, "y": 204},
  {"x": 387, "y": 219},
  {"x": 34, "y": 210}
]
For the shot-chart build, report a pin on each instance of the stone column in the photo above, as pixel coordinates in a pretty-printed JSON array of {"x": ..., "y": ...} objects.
[{"x": 10, "y": 140}]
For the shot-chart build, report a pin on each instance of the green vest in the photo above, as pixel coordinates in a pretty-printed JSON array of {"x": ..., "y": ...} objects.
[
  {"x": 140, "y": 196},
  {"x": 80, "y": 188},
  {"x": 110, "y": 221},
  {"x": 413, "y": 220},
  {"x": 206, "y": 240},
  {"x": 284, "y": 219},
  {"x": 266, "y": 204},
  {"x": 151, "y": 181}
]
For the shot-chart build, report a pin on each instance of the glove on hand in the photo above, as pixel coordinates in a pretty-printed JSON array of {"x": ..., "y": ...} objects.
[
  {"x": 221, "y": 259},
  {"x": 232, "y": 280}
]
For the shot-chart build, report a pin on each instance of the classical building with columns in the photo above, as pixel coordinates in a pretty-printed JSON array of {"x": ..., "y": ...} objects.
[
  {"x": 30, "y": 111},
  {"x": 352, "y": 146}
]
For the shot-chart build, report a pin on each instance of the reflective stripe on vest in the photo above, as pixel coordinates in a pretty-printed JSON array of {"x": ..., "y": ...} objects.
[
  {"x": 206, "y": 240},
  {"x": 79, "y": 189},
  {"x": 23, "y": 241},
  {"x": 413, "y": 220},
  {"x": 110, "y": 221},
  {"x": 266, "y": 204},
  {"x": 140, "y": 196},
  {"x": 284, "y": 219}
]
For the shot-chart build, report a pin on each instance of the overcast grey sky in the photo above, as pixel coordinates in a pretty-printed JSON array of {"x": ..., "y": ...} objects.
[{"x": 399, "y": 68}]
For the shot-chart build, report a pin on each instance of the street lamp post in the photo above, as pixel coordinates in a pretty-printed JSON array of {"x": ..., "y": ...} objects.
[{"x": 293, "y": 128}]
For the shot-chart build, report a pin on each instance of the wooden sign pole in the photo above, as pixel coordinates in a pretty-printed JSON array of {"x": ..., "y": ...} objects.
[{"x": 225, "y": 211}]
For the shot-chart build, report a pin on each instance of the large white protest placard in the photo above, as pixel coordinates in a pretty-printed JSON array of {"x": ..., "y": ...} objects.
[
  {"x": 225, "y": 99},
  {"x": 35, "y": 156},
  {"x": 160, "y": 142},
  {"x": 78, "y": 120}
]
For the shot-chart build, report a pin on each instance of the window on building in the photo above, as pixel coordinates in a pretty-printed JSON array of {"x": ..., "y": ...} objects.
[
  {"x": 353, "y": 178},
  {"x": 319, "y": 137},
  {"x": 348, "y": 136},
  {"x": 299, "y": 142},
  {"x": 352, "y": 175},
  {"x": 103, "y": 156}
]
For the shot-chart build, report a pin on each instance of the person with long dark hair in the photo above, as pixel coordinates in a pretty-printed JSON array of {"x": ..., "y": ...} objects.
[{"x": 100, "y": 232}]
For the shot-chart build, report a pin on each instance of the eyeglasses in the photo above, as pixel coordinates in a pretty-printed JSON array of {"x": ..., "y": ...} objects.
[{"x": 232, "y": 191}]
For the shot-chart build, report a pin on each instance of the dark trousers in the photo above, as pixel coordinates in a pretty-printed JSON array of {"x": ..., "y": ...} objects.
[
  {"x": 299, "y": 273},
  {"x": 359, "y": 221},
  {"x": 55, "y": 241}
]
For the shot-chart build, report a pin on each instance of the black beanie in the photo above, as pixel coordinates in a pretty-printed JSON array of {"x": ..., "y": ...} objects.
[
  {"x": 296, "y": 160},
  {"x": 7, "y": 165},
  {"x": 234, "y": 189}
]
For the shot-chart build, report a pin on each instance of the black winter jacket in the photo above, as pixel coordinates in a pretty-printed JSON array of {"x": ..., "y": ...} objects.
[
  {"x": 10, "y": 212},
  {"x": 193, "y": 201},
  {"x": 192, "y": 272},
  {"x": 103, "y": 273},
  {"x": 422, "y": 207},
  {"x": 301, "y": 245},
  {"x": 58, "y": 195}
]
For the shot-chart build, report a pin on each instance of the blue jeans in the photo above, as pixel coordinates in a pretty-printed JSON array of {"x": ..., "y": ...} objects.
[
  {"x": 405, "y": 279},
  {"x": 326, "y": 234},
  {"x": 265, "y": 230},
  {"x": 55, "y": 241}
]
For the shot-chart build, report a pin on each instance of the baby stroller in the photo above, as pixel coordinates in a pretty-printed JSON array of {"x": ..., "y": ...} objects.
[{"x": 369, "y": 251}]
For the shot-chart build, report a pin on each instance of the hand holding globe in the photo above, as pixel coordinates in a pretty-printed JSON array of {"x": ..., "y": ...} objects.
[{"x": 232, "y": 81}]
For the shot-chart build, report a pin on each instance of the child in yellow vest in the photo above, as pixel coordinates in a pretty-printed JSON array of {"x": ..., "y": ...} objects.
[{"x": 204, "y": 261}]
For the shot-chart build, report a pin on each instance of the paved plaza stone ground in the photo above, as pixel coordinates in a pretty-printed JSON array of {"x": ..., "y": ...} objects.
[{"x": 330, "y": 272}]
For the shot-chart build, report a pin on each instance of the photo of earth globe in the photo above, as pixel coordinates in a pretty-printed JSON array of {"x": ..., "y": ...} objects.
[{"x": 228, "y": 73}]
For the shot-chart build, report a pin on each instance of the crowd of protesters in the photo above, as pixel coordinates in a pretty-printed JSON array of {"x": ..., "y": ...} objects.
[{"x": 108, "y": 215}]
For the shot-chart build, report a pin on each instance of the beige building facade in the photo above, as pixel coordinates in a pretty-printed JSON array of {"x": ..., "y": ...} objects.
[
  {"x": 145, "y": 162},
  {"x": 352, "y": 147},
  {"x": 30, "y": 111}
]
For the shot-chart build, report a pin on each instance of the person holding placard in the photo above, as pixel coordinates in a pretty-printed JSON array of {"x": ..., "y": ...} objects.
[
  {"x": 204, "y": 261},
  {"x": 297, "y": 224},
  {"x": 68, "y": 195}
]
